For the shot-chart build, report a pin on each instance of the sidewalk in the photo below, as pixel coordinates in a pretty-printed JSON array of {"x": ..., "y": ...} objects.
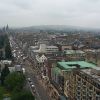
[{"x": 41, "y": 81}]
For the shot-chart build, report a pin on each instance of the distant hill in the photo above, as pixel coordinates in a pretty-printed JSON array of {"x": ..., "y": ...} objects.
[{"x": 57, "y": 28}]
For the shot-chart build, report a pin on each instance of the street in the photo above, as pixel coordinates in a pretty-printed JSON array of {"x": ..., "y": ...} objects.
[
  {"x": 41, "y": 92},
  {"x": 31, "y": 72}
]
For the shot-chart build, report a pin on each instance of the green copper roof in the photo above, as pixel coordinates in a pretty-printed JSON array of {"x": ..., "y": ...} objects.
[
  {"x": 72, "y": 64},
  {"x": 56, "y": 70}
]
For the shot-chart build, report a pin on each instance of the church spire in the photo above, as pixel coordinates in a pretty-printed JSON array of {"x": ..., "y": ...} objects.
[{"x": 7, "y": 27}]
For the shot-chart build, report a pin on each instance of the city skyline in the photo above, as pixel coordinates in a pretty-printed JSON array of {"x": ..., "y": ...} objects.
[{"x": 84, "y": 13}]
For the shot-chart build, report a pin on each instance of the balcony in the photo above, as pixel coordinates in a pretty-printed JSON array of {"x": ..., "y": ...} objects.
[
  {"x": 79, "y": 82},
  {"x": 78, "y": 93},
  {"x": 78, "y": 97},
  {"x": 79, "y": 86},
  {"x": 97, "y": 97}
]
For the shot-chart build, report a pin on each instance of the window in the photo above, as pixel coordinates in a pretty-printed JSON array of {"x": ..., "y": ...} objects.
[
  {"x": 98, "y": 93},
  {"x": 90, "y": 87},
  {"x": 79, "y": 79},
  {"x": 97, "y": 98},
  {"x": 84, "y": 83}
]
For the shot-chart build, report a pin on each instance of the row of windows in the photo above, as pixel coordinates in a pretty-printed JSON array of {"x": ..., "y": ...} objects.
[{"x": 51, "y": 48}]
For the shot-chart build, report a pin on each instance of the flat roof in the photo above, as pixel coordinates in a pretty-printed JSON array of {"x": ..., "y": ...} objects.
[
  {"x": 93, "y": 75},
  {"x": 74, "y": 52},
  {"x": 97, "y": 68},
  {"x": 73, "y": 64},
  {"x": 51, "y": 46}
]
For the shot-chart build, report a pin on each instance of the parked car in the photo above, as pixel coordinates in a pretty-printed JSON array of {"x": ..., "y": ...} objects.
[{"x": 29, "y": 79}]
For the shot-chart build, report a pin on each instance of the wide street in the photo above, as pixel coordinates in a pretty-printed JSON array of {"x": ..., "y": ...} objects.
[
  {"x": 31, "y": 72},
  {"x": 41, "y": 92}
]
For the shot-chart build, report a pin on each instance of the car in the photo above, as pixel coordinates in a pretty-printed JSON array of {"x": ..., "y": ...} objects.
[
  {"x": 29, "y": 79},
  {"x": 34, "y": 91},
  {"x": 18, "y": 56},
  {"x": 21, "y": 55},
  {"x": 23, "y": 69},
  {"x": 33, "y": 88},
  {"x": 19, "y": 52},
  {"x": 32, "y": 85},
  {"x": 31, "y": 82}
]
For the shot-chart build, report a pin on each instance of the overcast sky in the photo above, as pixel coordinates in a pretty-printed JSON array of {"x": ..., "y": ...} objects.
[{"x": 21, "y": 13}]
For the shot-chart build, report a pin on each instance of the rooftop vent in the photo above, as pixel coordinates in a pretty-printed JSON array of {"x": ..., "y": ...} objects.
[
  {"x": 76, "y": 65},
  {"x": 96, "y": 71}
]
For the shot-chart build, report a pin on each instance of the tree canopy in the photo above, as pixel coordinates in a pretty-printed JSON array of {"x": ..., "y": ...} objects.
[
  {"x": 4, "y": 43},
  {"x": 13, "y": 84},
  {"x": 8, "y": 53},
  {"x": 15, "y": 81},
  {"x": 24, "y": 95},
  {"x": 1, "y": 92},
  {"x": 4, "y": 73}
]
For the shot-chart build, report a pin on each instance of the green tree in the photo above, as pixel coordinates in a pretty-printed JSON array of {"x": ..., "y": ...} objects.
[
  {"x": 8, "y": 53},
  {"x": 15, "y": 81},
  {"x": 1, "y": 93},
  {"x": 23, "y": 95},
  {"x": 2, "y": 40},
  {"x": 4, "y": 73},
  {"x": 4, "y": 43}
]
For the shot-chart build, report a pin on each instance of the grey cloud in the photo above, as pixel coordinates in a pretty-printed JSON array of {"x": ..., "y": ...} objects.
[
  {"x": 24, "y": 4},
  {"x": 33, "y": 12}
]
